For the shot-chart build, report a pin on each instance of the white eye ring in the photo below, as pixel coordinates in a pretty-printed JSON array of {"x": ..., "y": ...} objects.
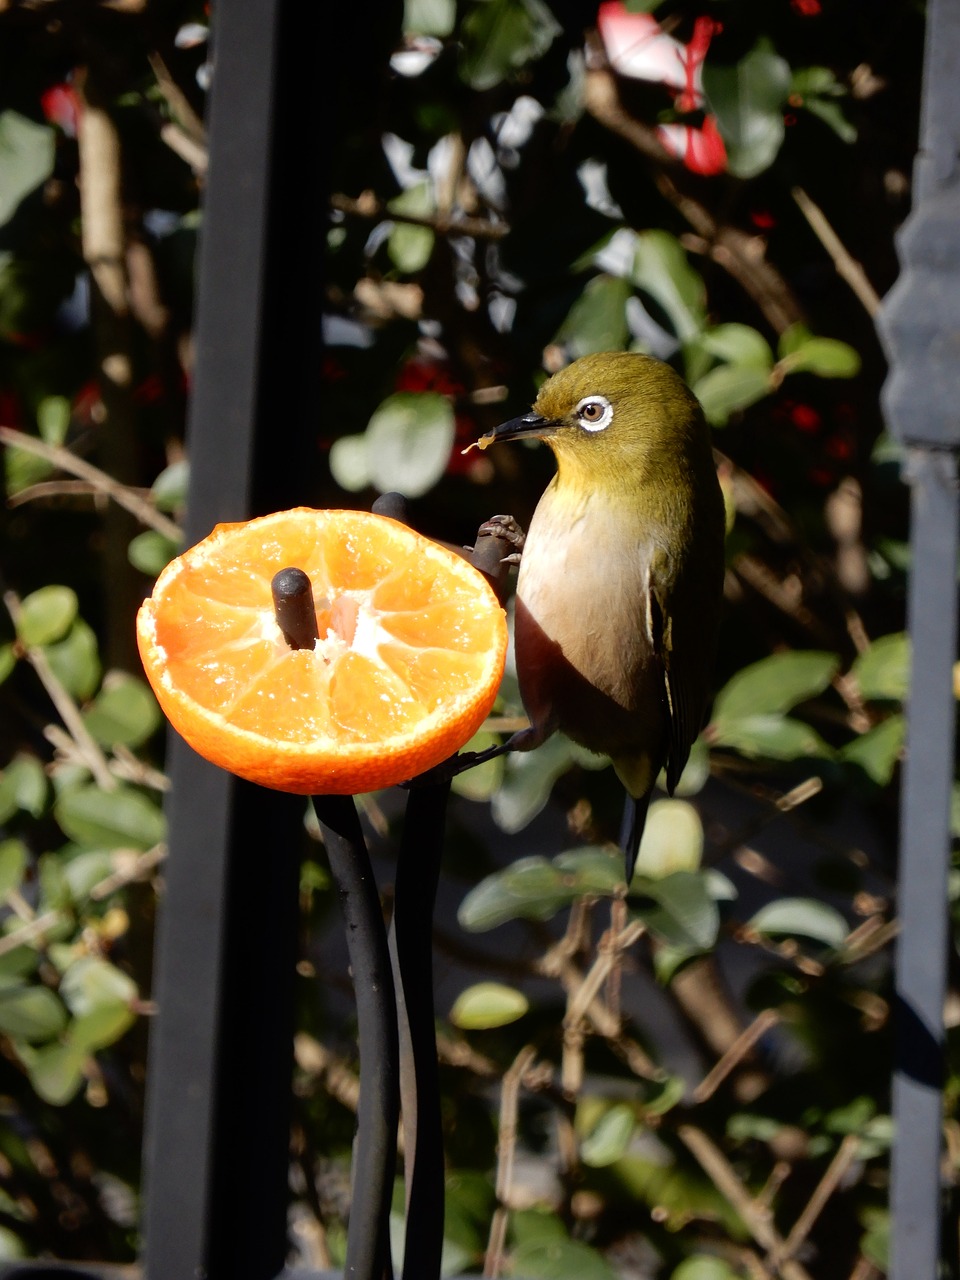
[{"x": 593, "y": 403}]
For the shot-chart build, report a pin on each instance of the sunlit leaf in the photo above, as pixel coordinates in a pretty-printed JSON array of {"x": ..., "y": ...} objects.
[
  {"x": 349, "y": 462},
  {"x": 93, "y": 983},
  {"x": 803, "y": 917},
  {"x": 110, "y": 819},
  {"x": 429, "y": 17},
  {"x": 151, "y": 551},
  {"x": 883, "y": 670},
  {"x": 731, "y": 387},
  {"x": 169, "y": 490},
  {"x": 409, "y": 441},
  {"x": 560, "y": 1260},
  {"x": 775, "y": 684},
  {"x": 597, "y": 321},
  {"x": 23, "y": 785},
  {"x": 748, "y": 101},
  {"x": 684, "y": 913},
  {"x": 26, "y": 156},
  {"x": 531, "y": 888},
  {"x": 409, "y": 244},
  {"x": 738, "y": 344},
  {"x": 124, "y": 711},
  {"x": 101, "y": 1027},
  {"x": 13, "y": 866},
  {"x": 31, "y": 1013},
  {"x": 826, "y": 357},
  {"x": 46, "y": 615},
  {"x": 877, "y": 751},
  {"x": 672, "y": 839},
  {"x": 771, "y": 737},
  {"x": 610, "y": 1137},
  {"x": 662, "y": 270},
  {"x": 705, "y": 1266},
  {"x": 56, "y": 1072},
  {"x": 75, "y": 660},
  {"x": 486, "y": 1005},
  {"x": 501, "y": 36}
]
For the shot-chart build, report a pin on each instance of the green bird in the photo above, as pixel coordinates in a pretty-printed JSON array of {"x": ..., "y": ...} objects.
[{"x": 621, "y": 571}]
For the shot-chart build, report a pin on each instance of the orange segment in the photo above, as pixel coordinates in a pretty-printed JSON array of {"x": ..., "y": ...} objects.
[{"x": 408, "y": 663}]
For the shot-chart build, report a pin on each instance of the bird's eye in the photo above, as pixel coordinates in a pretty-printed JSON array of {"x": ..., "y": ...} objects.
[{"x": 595, "y": 412}]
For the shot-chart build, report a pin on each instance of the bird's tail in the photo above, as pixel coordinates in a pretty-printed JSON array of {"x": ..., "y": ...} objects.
[{"x": 631, "y": 829}]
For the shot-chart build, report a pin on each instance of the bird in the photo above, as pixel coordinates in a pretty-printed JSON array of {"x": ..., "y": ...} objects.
[{"x": 621, "y": 571}]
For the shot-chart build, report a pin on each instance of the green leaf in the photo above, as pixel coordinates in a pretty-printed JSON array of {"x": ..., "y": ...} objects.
[
  {"x": 731, "y": 387},
  {"x": 23, "y": 785},
  {"x": 76, "y": 660},
  {"x": 882, "y": 672},
  {"x": 84, "y": 870},
  {"x": 877, "y": 751},
  {"x": 666, "y": 1097},
  {"x": 349, "y": 463},
  {"x": 480, "y": 782},
  {"x": 528, "y": 779},
  {"x": 408, "y": 244},
  {"x": 591, "y": 871},
  {"x": 486, "y": 1005},
  {"x": 101, "y": 1027},
  {"x": 771, "y": 737},
  {"x": 831, "y": 113},
  {"x": 609, "y": 1138},
  {"x": 672, "y": 840},
  {"x": 806, "y": 917},
  {"x": 748, "y": 101},
  {"x": 826, "y": 357},
  {"x": 93, "y": 983},
  {"x": 738, "y": 344},
  {"x": 775, "y": 684},
  {"x": 169, "y": 490},
  {"x": 53, "y": 419},
  {"x": 56, "y": 1072},
  {"x": 47, "y": 615},
  {"x": 792, "y": 339},
  {"x": 501, "y": 36},
  {"x": 560, "y": 1260},
  {"x": 110, "y": 819},
  {"x": 684, "y": 913},
  {"x": 531, "y": 889},
  {"x": 8, "y": 660},
  {"x": 597, "y": 321},
  {"x": 429, "y": 17},
  {"x": 151, "y": 551},
  {"x": 31, "y": 1013},
  {"x": 409, "y": 442},
  {"x": 704, "y": 1266},
  {"x": 662, "y": 270},
  {"x": 124, "y": 711},
  {"x": 13, "y": 866},
  {"x": 27, "y": 152}
]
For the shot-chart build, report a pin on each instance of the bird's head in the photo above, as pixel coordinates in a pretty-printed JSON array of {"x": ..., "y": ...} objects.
[{"x": 613, "y": 419}]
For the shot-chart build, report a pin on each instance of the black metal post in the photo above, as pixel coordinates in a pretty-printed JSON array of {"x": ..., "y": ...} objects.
[
  {"x": 921, "y": 322},
  {"x": 217, "y": 1141}
]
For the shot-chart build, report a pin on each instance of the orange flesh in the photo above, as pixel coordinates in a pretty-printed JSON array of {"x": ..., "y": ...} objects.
[{"x": 410, "y": 654}]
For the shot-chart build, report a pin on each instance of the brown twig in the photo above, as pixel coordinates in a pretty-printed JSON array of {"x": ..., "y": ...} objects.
[
  {"x": 758, "y": 1220},
  {"x": 841, "y": 1162},
  {"x": 125, "y": 496},
  {"x": 370, "y": 207},
  {"x": 847, "y": 266},
  {"x": 743, "y": 1044},
  {"x": 506, "y": 1150}
]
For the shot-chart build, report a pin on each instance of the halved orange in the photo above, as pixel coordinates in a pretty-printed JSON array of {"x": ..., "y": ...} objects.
[{"x": 410, "y": 655}]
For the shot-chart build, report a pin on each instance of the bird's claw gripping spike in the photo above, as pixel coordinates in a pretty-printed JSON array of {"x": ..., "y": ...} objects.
[{"x": 507, "y": 528}]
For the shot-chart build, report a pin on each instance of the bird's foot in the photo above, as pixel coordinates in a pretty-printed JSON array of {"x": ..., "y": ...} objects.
[
  {"x": 506, "y": 529},
  {"x": 447, "y": 770}
]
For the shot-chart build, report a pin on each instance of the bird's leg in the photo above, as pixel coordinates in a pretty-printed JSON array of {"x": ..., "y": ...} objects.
[
  {"x": 506, "y": 529},
  {"x": 522, "y": 740}
]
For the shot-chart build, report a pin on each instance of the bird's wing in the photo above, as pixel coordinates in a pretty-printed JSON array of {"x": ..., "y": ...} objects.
[{"x": 682, "y": 697}]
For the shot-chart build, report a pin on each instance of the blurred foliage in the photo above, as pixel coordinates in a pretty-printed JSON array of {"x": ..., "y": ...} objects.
[{"x": 519, "y": 182}]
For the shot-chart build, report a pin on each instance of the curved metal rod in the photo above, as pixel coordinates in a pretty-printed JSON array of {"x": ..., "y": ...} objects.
[
  {"x": 368, "y": 1239},
  {"x": 411, "y": 944}
]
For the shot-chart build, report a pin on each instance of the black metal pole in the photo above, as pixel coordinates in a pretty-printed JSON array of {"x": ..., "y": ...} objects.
[
  {"x": 411, "y": 939},
  {"x": 368, "y": 1241}
]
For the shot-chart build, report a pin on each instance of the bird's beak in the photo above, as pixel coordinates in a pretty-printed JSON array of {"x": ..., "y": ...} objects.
[{"x": 531, "y": 424}]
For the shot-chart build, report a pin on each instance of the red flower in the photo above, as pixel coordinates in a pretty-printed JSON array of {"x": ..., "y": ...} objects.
[
  {"x": 637, "y": 46},
  {"x": 806, "y": 8},
  {"x": 701, "y": 150},
  {"x": 61, "y": 107}
]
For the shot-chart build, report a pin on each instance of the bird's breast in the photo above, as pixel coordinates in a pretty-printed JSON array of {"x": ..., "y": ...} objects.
[{"x": 583, "y": 638}]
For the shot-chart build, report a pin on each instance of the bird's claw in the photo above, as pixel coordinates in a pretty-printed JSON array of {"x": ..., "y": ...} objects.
[{"x": 507, "y": 529}]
